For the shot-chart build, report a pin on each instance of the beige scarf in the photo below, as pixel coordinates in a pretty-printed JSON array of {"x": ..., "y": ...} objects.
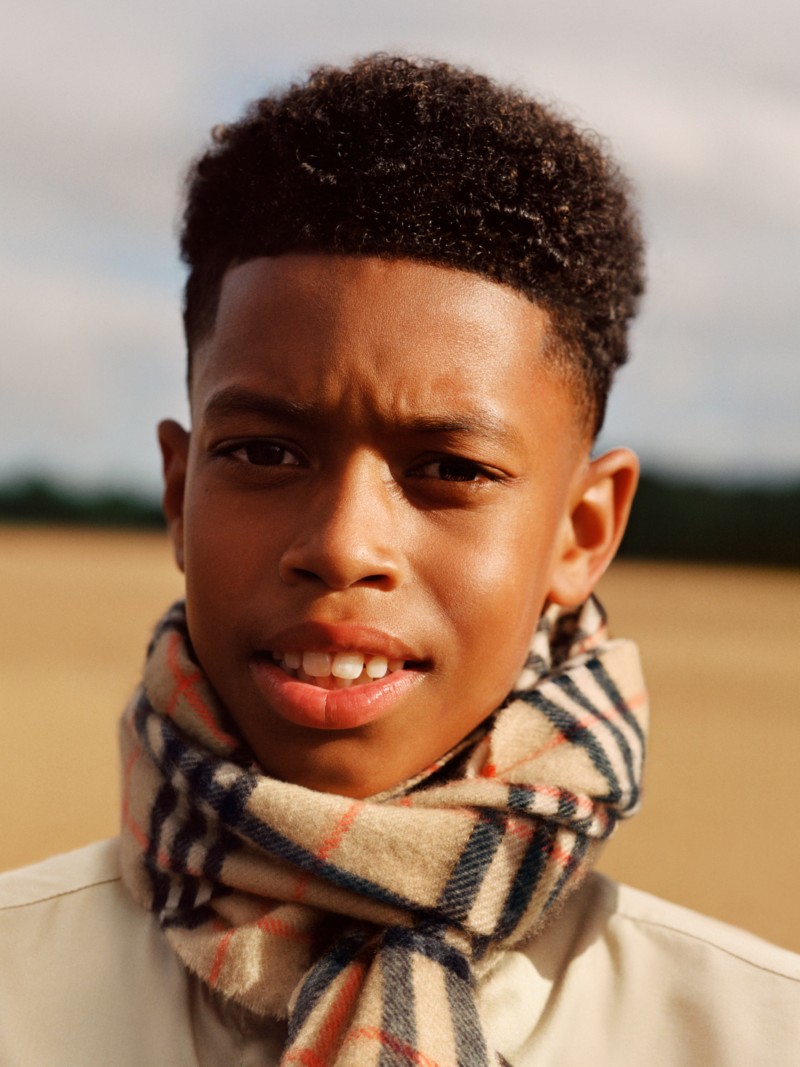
[{"x": 368, "y": 922}]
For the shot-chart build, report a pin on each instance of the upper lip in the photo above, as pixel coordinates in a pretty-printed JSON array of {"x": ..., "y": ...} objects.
[{"x": 340, "y": 637}]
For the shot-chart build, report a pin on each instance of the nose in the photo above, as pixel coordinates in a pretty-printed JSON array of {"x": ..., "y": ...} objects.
[{"x": 348, "y": 533}]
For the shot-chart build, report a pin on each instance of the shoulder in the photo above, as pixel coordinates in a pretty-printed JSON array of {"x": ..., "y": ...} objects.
[
  {"x": 49, "y": 909},
  {"x": 684, "y": 934},
  {"x": 73, "y": 872},
  {"x": 651, "y": 982},
  {"x": 87, "y": 977}
]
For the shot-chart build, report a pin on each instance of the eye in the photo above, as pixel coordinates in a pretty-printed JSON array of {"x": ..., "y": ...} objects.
[
  {"x": 451, "y": 469},
  {"x": 261, "y": 452}
]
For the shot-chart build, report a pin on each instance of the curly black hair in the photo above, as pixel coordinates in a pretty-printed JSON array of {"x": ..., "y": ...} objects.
[{"x": 394, "y": 157}]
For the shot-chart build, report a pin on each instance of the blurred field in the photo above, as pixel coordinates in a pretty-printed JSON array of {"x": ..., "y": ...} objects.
[{"x": 720, "y": 650}]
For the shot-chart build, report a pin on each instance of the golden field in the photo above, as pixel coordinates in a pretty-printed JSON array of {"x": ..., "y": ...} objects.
[{"x": 717, "y": 832}]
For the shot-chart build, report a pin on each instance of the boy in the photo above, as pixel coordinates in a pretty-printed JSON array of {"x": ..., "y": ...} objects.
[{"x": 376, "y": 752}]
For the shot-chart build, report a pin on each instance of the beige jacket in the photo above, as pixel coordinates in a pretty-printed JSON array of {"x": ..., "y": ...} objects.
[{"x": 620, "y": 978}]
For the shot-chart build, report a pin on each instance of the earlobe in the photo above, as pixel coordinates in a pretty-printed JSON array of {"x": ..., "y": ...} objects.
[
  {"x": 174, "y": 443},
  {"x": 595, "y": 525}
]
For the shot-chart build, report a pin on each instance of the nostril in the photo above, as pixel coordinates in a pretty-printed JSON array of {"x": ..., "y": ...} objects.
[
  {"x": 337, "y": 564},
  {"x": 306, "y": 574}
]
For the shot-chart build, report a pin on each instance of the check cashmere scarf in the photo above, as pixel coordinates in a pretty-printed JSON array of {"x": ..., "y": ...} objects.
[{"x": 368, "y": 923}]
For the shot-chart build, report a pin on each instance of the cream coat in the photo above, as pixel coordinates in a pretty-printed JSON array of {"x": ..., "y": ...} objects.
[{"x": 620, "y": 978}]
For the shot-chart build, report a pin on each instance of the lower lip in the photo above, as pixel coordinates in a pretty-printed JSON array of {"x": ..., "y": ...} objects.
[{"x": 331, "y": 709}]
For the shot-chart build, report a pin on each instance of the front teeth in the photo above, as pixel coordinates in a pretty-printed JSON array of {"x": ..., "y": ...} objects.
[
  {"x": 317, "y": 664},
  {"x": 349, "y": 665},
  {"x": 377, "y": 666},
  {"x": 345, "y": 667}
]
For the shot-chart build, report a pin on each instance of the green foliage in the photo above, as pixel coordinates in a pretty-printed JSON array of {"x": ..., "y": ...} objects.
[
  {"x": 679, "y": 520},
  {"x": 38, "y": 500}
]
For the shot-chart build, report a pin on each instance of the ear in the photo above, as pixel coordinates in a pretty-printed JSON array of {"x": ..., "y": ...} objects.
[
  {"x": 594, "y": 526},
  {"x": 174, "y": 443}
]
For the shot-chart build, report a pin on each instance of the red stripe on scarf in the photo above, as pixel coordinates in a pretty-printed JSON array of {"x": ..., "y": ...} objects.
[
  {"x": 129, "y": 821},
  {"x": 400, "y": 1048},
  {"x": 638, "y": 700},
  {"x": 562, "y": 857},
  {"x": 184, "y": 686},
  {"x": 219, "y": 958},
  {"x": 127, "y": 818},
  {"x": 280, "y": 928},
  {"x": 334, "y": 839},
  {"x": 332, "y": 1025},
  {"x": 300, "y": 886}
]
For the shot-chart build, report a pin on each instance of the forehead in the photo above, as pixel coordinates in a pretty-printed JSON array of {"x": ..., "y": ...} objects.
[{"x": 341, "y": 331}]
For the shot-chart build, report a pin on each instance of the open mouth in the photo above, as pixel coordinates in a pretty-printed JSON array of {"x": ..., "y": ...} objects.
[
  {"x": 338, "y": 688},
  {"x": 337, "y": 670}
]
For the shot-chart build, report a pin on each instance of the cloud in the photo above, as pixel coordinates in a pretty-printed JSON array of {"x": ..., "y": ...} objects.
[
  {"x": 91, "y": 365},
  {"x": 104, "y": 104}
]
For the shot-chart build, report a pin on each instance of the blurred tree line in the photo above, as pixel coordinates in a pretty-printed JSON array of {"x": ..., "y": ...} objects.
[
  {"x": 682, "y": 520},
  {"x": 39, "y": 500},
  {"x": 672, "y": 519}
]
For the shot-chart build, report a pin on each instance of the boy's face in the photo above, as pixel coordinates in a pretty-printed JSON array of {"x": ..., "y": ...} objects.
[{"x": 379, "y": 464}]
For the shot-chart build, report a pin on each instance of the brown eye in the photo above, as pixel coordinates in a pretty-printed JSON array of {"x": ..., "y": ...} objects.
[
  {"x": 451, "y": 469},
  {"x": 264, "y": 454}
]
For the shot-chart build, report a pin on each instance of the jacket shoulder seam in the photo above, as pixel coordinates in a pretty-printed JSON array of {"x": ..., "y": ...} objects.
[
  {"x": 56, "y": 894},
  {"x": 681, "y": 932}
]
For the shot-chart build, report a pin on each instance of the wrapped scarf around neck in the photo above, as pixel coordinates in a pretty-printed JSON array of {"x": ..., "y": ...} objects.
[{"x": 368, "y": 922}]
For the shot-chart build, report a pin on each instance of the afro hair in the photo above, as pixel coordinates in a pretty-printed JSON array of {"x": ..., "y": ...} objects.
[{"x": 393, "y": 157}]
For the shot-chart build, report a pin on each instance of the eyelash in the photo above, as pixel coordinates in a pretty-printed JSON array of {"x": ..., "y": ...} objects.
[
  {"x": 477, "y": 473},
  {"x": 229, "y": 452}
]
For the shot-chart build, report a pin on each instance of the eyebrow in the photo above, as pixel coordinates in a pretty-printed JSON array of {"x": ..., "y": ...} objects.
[{"x": 234, "y": 400}]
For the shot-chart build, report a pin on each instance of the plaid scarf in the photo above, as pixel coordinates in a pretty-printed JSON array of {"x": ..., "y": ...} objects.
[{"x": 368, "y": 922}]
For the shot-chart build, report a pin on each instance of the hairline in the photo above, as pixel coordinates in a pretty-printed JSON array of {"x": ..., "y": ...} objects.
[{"x": 562, "y": 359}]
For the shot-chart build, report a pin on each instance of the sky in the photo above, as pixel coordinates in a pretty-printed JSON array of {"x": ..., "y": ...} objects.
[{"x": 104, "y": 103}]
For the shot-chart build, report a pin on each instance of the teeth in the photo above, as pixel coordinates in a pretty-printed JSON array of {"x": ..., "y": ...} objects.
[
  {"x": 377, "y": 666},
  {"x": 317, "y": 664},
  {"x": 347, "y": 665},
  {"x": 338, "y": 670}
]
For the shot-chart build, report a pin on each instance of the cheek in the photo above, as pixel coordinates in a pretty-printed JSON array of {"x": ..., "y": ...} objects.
[
  {"x": 221, "y": 558},
  {"x": 493, "y": 591},
  {"x": 225, "y": 532}
]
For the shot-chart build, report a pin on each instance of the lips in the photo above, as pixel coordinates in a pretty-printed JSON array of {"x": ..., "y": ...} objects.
[
  {"x": 335, "y": 677},
  {"x": 341, "y": 637}
]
